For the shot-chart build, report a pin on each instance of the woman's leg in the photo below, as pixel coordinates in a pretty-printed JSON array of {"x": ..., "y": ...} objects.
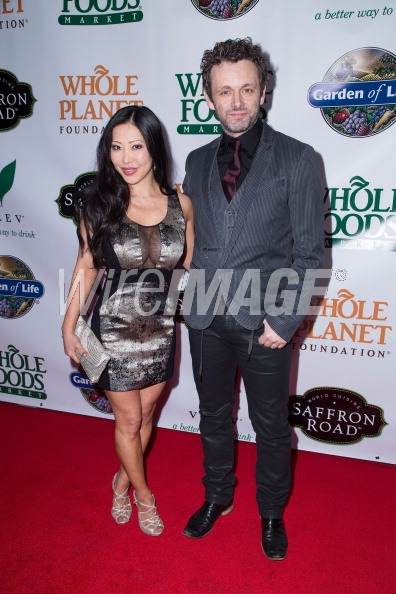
[{"x": 133, "y": 412}]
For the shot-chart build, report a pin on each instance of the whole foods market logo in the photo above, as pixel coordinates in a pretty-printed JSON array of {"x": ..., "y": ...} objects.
[
  {"x": 224, "y": 9},
  {"x": 70, "y": 196},
  {"x": 335, "y": 415},
  {"x": 16, "y": 101},
  {"x": 358, "y": 94},
  {"x": 21, "y": 374},
  {"x": 195, "y": 115},
  {"x": 18, "y": 288},
  {"x": 360, "y": 217},
  {"x": 95, "y": 396},
  {"x": 100, "y": 12}
]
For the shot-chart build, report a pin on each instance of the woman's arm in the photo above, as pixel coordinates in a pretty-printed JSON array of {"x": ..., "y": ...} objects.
[{"x": 188, "y": 213}]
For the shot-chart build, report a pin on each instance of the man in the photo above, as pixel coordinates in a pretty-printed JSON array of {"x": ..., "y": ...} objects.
[{"x": 273, "y": 221}]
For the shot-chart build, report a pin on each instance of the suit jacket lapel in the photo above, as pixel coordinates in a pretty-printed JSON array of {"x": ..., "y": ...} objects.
[{"x": 252, "y": 181}]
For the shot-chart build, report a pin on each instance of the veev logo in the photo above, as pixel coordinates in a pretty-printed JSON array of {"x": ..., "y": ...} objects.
[
  {"x": 100, "y": 12},
  {"x": 7, "y": 175}
]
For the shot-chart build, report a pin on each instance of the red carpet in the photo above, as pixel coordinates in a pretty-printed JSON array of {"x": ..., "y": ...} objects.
[{"x": 57, "y": 535}]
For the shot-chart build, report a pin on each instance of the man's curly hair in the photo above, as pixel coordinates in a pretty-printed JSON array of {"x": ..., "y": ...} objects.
[{"x": 234, "y": 50}]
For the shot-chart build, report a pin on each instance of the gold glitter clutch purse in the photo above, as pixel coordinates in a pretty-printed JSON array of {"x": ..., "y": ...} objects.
[{"x": 96, "y": 359}]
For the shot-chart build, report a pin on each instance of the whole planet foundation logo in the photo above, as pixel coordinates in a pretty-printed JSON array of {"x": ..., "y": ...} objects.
[
  {"x": 18, "y": 288},
  {"x": 224, "y": 9},
  {"x": 357, "y": 97}
]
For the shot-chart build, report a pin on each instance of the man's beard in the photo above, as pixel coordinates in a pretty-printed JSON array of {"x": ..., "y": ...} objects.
[{"x": 239, "y": 126}]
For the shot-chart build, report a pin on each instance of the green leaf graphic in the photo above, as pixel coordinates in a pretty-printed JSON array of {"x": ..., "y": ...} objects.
[{"x": 6, "y": 179}]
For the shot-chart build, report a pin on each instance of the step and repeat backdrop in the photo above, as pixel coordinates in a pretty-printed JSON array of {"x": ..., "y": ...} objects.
[{"x": 67, "y": 65}]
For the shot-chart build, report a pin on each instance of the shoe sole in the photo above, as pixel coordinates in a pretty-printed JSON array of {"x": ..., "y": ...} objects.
[
  {"x": 273, "y": 558},
  {"x": 224, "y": 513}
]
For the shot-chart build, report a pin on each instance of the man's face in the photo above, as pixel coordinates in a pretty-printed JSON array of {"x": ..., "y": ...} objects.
[{"x": 236, "y": 95}]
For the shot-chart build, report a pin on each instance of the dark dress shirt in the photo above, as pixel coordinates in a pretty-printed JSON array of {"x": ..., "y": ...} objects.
[{"x": 249, "y": 142}]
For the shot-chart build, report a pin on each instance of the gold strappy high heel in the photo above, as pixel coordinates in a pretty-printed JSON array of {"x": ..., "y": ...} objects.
[
  {"x": 149, "y": 519},
  {"x": 121, "y": 509}
]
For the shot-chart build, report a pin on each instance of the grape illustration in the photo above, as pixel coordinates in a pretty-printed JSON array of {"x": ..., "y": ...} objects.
[
  {"x": 227, "y": 12},
  {"x": 379, "y": 112},
  {"x": 97, "y": 398},
  {"x": 354, "y": 121}
]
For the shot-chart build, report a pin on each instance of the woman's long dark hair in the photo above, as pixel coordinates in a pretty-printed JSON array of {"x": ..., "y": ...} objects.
[{"x": 106, "y": 200}]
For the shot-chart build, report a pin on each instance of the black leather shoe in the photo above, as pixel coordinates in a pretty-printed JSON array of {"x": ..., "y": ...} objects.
[
  {"x": 202, "y": 522},
  {"x": 274, "y": 540}
]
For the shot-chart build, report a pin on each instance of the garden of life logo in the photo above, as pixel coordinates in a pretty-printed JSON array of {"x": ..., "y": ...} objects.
[
  {"x": 100, "y": 12},
  {"x": 94, "y": 395},
  {"x": 348, "y": 326},
  {"x": 224, "y": 9},
  {"x": 94, "y": 98},
  {"x": 19, "y": 290},
  {"x": 11, "y": 12},
  {"x": 70, "y": 196},
  {"x": 335, "y": 415},
  {"x": 16, "y": 101},
  {"x": 357, "y": 97},
  {"x": 21, "y": 374},
  {"x": 360, "y": 217}
]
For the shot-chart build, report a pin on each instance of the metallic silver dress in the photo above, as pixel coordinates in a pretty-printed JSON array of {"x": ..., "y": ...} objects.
[{"x": 129, "y": 316}]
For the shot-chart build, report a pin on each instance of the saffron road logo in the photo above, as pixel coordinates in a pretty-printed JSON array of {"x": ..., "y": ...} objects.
[
  {"x": 11, "y": 12},
  {"x": 94, "y": 98},
  {"x": 21, "y": 374},
  {"x": 224, "y": 9},
  {"x": 95, "y": 396},
  {"x": 70, "y": 196},
  {"x": 16, "y": 101},
  {"x": 360, "y": 217},
  {"x": 334, "y": 415},
  {"x": 100, "y": 12},
  {"x": 18, "y": 288},
  {"x": 358, "y": 94}
]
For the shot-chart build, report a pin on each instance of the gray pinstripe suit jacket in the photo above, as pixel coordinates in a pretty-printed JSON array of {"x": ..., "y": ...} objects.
[{"x": 280, "y": 224}]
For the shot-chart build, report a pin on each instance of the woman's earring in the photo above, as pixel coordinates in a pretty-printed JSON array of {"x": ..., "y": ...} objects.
[{"x": 154, "y": 167}]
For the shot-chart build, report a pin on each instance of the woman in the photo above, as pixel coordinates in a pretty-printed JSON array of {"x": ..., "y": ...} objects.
[{"x": 133, "y": 223}]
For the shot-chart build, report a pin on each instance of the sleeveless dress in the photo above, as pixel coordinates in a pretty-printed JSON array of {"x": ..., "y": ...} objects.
[{"x": 129, "y": 317}]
